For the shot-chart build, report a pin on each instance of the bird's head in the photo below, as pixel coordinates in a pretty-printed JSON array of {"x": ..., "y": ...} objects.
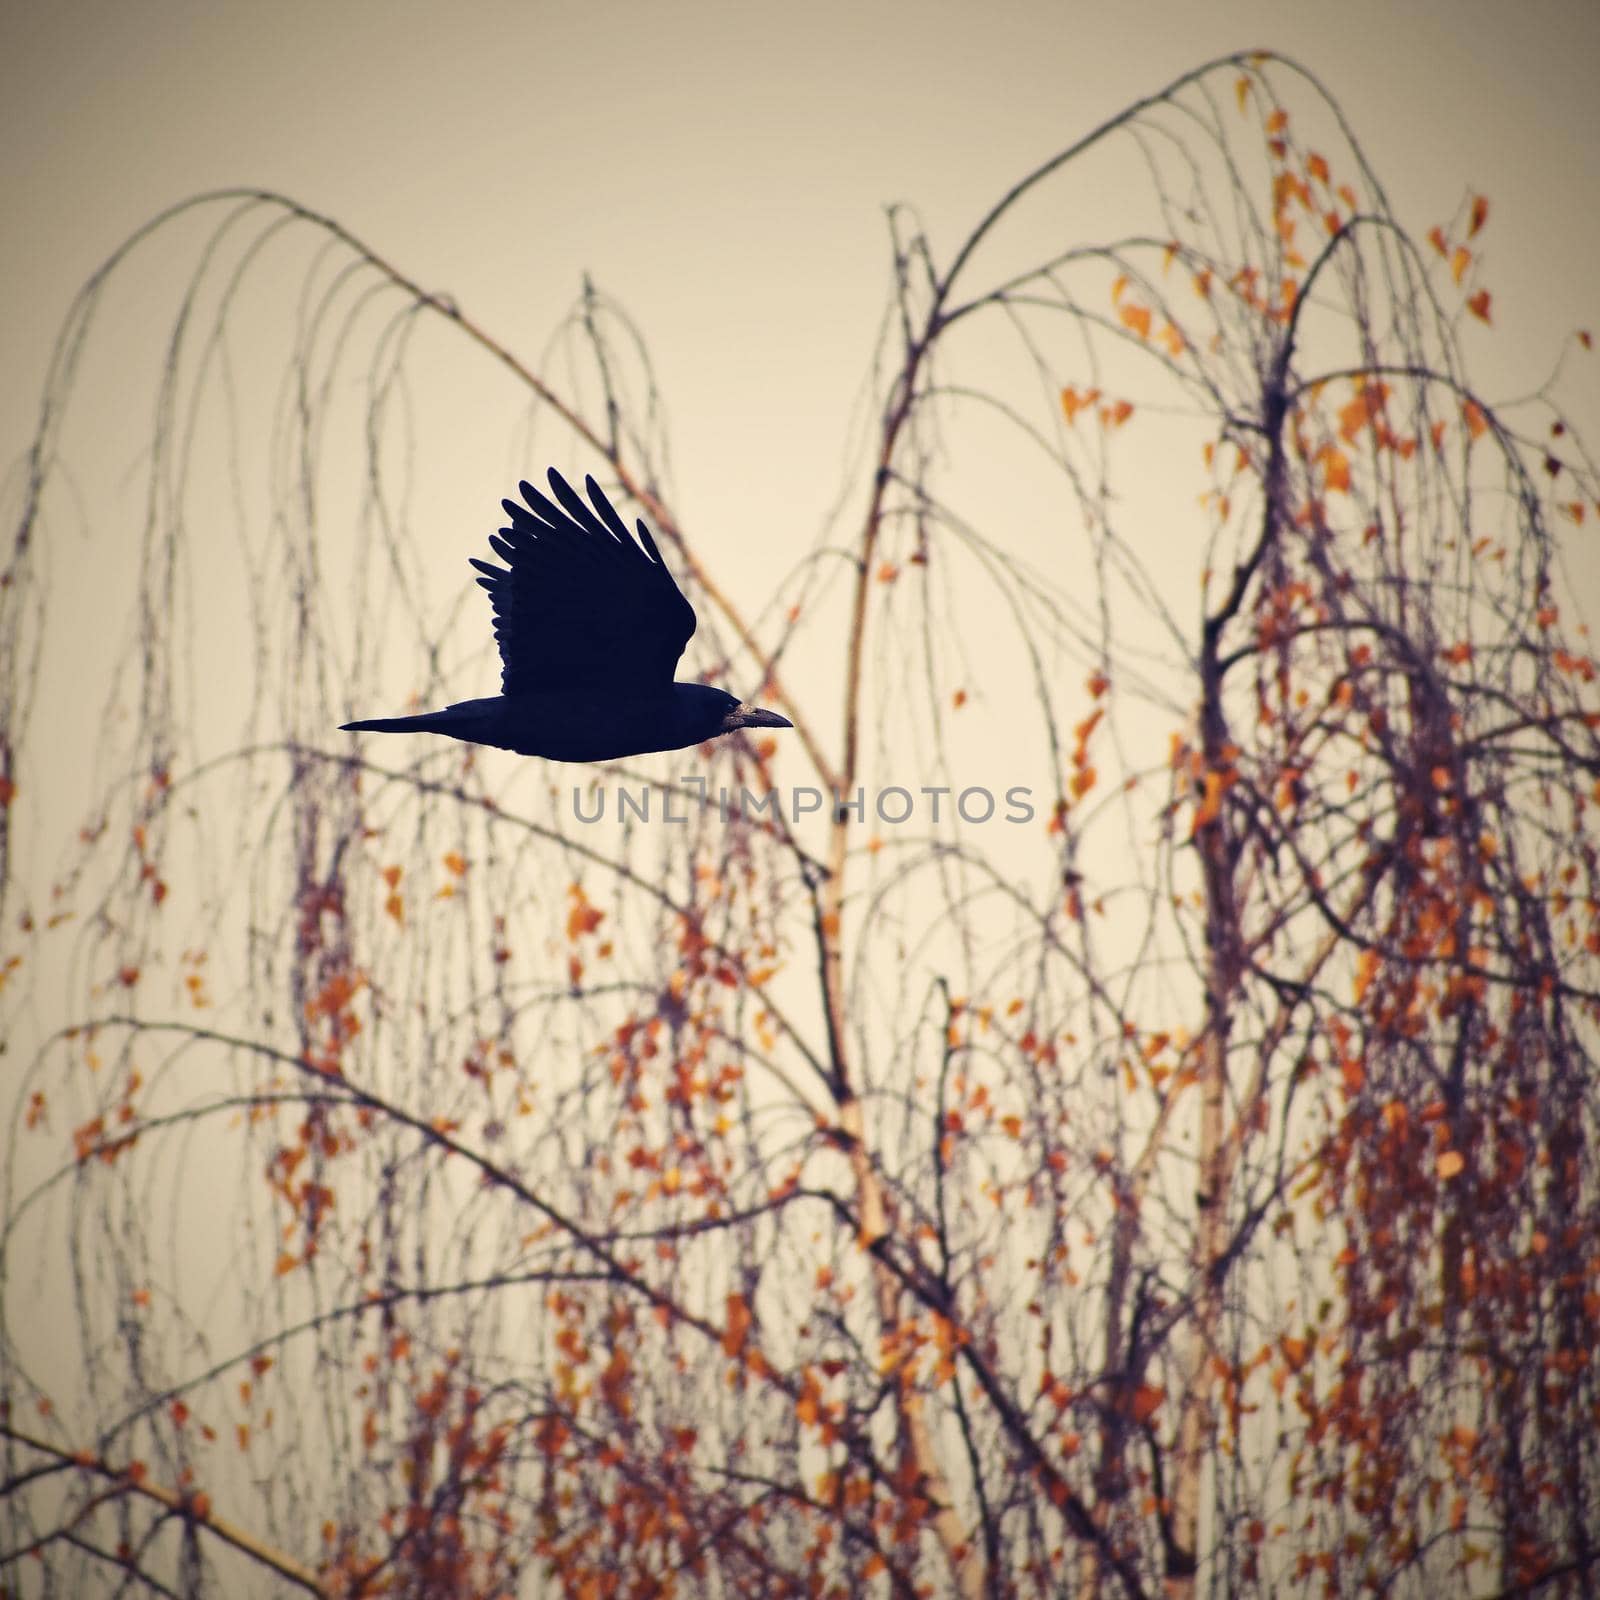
[
  {"x": 705, "y": 711},
  {"x": 741, "y": 714}
]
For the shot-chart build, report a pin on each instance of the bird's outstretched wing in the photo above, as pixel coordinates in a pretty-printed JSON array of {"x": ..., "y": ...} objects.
[{"x": 582, "y": 606}]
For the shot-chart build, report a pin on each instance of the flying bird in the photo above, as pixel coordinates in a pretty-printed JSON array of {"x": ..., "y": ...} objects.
[{"x": 590, "y": 625}]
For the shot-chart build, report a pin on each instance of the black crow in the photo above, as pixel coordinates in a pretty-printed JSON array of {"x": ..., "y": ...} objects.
[{"x": 590, "y": 629}]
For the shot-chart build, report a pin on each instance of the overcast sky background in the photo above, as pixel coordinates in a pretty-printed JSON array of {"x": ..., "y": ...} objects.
[
  {"x": 723, "y": 169},
  {"x": 723, "y": 172}
]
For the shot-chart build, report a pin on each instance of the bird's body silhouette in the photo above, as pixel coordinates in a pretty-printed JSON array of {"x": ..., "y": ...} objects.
[{"x": 590, "y": 626}]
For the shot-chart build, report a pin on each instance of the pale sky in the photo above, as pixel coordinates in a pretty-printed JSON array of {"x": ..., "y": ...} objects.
[{"x": 723, "y": 168}]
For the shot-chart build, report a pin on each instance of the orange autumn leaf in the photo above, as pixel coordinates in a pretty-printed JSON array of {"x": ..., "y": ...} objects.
[
  {"x": 1472, "y": 415},
  {"x": 333, "y": 997},
  {"x": 1146, "y": 1401},
  {"x": 1361, "y": 411},
  {"x": 1210, "y": 806},
  {"x": 1335, "y": 468},
  {"x": 1449, "y": 1163},
  {"x": 738, "y": 1328},
  {"x": 808, "y": 1408},
  {"x": 1072, "y": 402},
  {"x": 1480, "y": 214},
  {"x": 1366, "y": 971},
  {"x": 1437, "y": 239},
  {"x": 456, "y": 862},
  {"x": 1289, "y": 186},
  {"x": 87, "y": 1136},
  {"x": 1137, "y": 318},
  {"x": 1478, "y": 305},
  {"x": 1459, "y": 262},
  {"x": 1241, "y": 90},
  {"x": 1317, "y": 166}
]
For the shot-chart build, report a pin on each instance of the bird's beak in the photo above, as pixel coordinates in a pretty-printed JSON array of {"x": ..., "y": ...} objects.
[{"x": 755, "y": 717}]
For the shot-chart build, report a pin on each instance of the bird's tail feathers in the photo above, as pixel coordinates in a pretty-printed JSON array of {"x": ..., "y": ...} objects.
[{"x": 426, "y": 722}]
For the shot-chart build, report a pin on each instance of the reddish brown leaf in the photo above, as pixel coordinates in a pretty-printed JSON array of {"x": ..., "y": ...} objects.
[
  {"x": 1335, "y": 469},
  {"x": 737, "y": 1332},
  {"x": 1146, "y": 1401}
]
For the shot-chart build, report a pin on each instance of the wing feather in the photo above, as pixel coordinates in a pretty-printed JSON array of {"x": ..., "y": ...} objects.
[{"x": 578, "y": 603}]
